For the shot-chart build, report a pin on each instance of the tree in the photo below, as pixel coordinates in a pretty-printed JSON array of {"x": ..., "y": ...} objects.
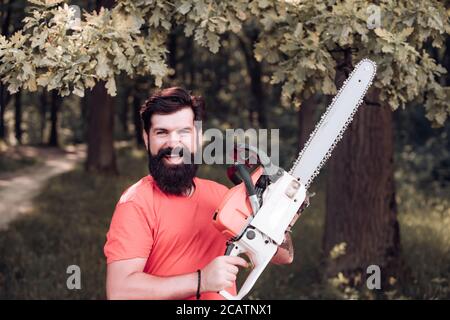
[
  {"x": 18, "y": 117},
  {"x": 306, "y": 119},
  {"x": 304, "y": 42},
  {"x": 4, "y": 96},
  {"x": 54, "y": 108},
  {"x": 136, "y": 116},
  {"x": 254, "y": 67},
  {"x": 43, "y": 113},
  {"x": 325, "y": 36},
  {"x": 52, "y": 52},
  {"x": 101, "y": 156},
  {"x": 361, "y": 209}
]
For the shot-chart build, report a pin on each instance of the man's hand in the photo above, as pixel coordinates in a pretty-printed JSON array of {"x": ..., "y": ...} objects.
[
  {"x": 285, "y": 252},
  {"x": 220, "y": 273}
]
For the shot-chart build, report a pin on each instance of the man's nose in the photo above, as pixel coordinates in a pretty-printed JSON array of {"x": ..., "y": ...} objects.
[{"x": 174, "y": 140}]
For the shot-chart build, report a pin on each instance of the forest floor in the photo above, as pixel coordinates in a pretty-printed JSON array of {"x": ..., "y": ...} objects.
[{"x": 18, "y": 186}]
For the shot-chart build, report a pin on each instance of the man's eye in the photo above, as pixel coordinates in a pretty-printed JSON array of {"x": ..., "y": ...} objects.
[
  {"x": 160, "y": 133},
  {"x": 185, "y": 131}
]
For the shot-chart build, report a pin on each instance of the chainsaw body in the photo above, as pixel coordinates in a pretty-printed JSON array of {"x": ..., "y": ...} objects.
[
  {"x": 235, "y": 209},
  {"x": 258, "y": 234},
  {"x": 257, "y": 212}
]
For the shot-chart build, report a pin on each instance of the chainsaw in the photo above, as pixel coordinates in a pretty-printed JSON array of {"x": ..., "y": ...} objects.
[{"x": 255, "y": 214}]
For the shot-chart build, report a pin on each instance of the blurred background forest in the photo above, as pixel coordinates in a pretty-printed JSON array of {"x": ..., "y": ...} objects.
[{"x": 64, "y": 161}]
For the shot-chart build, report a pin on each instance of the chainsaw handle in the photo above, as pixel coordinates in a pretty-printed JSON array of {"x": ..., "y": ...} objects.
[
  {"x": 241, "y": 161},
  {"x": 249, "y": 186},
  {"x": 259, "y": 253},
  {"x": 239, "y": 168}
]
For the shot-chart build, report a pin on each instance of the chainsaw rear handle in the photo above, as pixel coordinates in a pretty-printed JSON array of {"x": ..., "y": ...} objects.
[
  {"x": 259, "y": 250},
  {"x": 241, "y": 159},
  {"x": 249, "y": 186},
  {"x": 233, "y": 170}
]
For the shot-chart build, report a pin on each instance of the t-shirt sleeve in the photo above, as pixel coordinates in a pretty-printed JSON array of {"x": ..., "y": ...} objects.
[
  {"x": 220, "y": 190},
  {"x": 130, "y": 234}
]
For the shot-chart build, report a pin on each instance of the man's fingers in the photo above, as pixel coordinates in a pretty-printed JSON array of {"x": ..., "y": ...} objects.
[
  {"x": 237, "y": 261},
  {"x": 231, "y": 277},
  {"x": 233, "y": 269}
]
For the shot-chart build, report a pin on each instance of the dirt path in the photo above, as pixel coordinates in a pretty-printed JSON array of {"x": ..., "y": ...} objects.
[{"x": 17, "y": 189}]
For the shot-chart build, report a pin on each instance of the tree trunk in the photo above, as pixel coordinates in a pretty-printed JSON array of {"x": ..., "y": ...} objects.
[
  {"x": 187, "y": 69},
  {"x": 306, "y": 119},
  {"x": 4, "y": 94},
  {"x": 446, "y": 60},
  {"x": 54, "y": 108},
  {"x": 6, "y": 17},
  {"x": 4, "y": 99},
  {"x": 124, "y": 111},
  {"x": 137, "y": 118},
  {"x": 84, "y": 104},
  {"x": 192, "y": 63},
  {"x": 43, "y": 115},
  {"x": 172, "y": 55},
  {"x": 101, "y": 156},
  {"x": 255, "y": 72},
  {"x": 18, "y": 117},
  {"x": 361, "y": 209}
]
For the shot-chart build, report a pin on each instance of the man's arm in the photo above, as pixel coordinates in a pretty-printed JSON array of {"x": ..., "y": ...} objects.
[
  {"x": 125, "y": 279},
  {"x": 285, "y": 252}
]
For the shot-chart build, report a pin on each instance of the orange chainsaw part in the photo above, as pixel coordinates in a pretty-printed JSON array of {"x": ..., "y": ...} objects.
[{"x": 231, "y": 215}]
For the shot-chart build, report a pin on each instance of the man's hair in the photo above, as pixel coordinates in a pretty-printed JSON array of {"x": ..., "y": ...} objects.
[{"x": 169, "y": 101}]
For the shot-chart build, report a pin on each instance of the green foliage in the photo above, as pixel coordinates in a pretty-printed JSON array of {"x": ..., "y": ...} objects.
[
  {"x": 303, "y": 42},
  {"x": 48, "y": 52},
  {"x": 300, "y": 39}
]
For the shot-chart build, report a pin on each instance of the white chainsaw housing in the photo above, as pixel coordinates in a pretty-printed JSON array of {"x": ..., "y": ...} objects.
[
  {"x": 281, "y": 201},
  {"x": 260, "y": 250},
  {"x": 282, "y": 198}
]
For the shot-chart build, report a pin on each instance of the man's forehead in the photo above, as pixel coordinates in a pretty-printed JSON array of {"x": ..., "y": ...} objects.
[{"x": 181, "y": 118}]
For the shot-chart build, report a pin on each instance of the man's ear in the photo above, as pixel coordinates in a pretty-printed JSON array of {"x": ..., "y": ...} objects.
[{"x": 145, "y": 137}]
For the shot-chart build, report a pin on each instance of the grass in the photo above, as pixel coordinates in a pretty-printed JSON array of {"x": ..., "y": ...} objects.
[
  {"x": 72, "y": 214},
  {"x": 425, "y": 234},
  {"x": 68, "y": 226},
  {"x": 11, "y": 163}
]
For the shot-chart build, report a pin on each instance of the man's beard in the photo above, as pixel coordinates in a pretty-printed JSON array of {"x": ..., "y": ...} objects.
[{"x": 172, "y": 179}]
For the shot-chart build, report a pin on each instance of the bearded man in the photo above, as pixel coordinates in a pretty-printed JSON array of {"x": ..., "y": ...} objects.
[{"x": 162, "y": 243}]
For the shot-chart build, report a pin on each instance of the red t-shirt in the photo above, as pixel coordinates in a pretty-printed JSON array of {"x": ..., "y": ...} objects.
[{"x": 174, "y": 233}]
